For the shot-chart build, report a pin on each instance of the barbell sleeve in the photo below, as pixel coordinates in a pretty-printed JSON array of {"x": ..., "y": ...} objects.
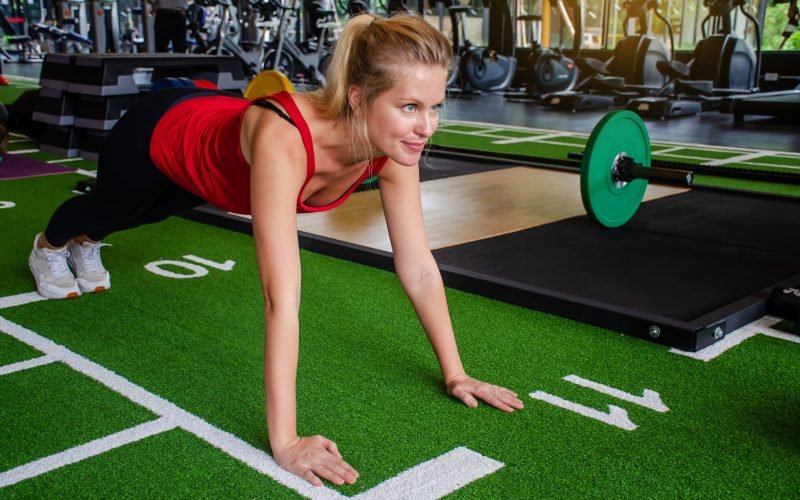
[{"x": 684, "y": 177}]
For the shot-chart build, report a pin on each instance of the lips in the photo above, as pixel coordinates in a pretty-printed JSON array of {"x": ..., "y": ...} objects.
[{"x": 416, "y": 147}]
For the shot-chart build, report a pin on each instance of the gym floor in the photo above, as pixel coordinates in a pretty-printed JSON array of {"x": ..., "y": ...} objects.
[{"x": 153, "y": 389}]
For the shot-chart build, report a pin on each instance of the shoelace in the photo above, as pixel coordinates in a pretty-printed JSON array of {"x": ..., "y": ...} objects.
[
  {"x": 57, "y": 261},
  {"x": 91, "y": 257}
]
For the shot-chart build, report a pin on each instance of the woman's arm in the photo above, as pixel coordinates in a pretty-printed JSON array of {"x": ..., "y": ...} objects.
[
  {"x": 277, "y": 175},
  {"x": 419, "y": 274}
]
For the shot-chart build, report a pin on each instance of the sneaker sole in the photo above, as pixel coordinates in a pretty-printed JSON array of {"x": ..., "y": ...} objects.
[
  {"x": 94, "y": 286},
  {"x": 48, "y": 294}
]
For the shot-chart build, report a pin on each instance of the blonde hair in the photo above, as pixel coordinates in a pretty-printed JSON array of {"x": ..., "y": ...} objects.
[{"x": 370, "y": 54}]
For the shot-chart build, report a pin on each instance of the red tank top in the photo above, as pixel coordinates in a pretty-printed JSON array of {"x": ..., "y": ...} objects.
[{"x": 196, "y": 145}]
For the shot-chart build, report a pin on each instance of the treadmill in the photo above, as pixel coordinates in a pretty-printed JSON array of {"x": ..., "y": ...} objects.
[{"x": 781, "y": 103}]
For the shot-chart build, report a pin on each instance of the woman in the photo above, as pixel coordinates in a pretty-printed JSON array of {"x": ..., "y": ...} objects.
[{"x": 273, "y": 158}]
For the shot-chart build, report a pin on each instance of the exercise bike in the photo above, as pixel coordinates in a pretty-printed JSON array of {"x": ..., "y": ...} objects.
[
  {"x": 306, "y": 61},
  {"x": 482, "y": 69},
  {"x": 227, "y": 36},
  {"x": 546, "y": 70}
]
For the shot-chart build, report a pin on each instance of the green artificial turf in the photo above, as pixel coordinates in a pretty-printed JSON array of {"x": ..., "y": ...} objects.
[
  {"x": 12, "y": 351},
  {"x": 55, "y": 408},
  {"x": 366, "y": 379}
]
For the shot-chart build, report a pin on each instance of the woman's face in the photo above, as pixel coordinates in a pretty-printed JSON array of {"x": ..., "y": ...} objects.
[{"x": 403, "y": 118}]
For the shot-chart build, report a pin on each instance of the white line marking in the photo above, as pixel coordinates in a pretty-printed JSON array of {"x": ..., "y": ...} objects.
[
  {"x": 616, "y": 416},
  {"x": 479, "y": 131},
  {"x": 20, "y": 300},
  {"x": 435, "y": 478},
  {"x": 667, "y": 151},
  {"x": 65, "y": 160},
  {"x": 773, "y": 165},
  {"x": 84, "y": 451},
  {"x": 761, "y": 326},
  {"x": 533, "y": 138},
  {"x": 24, "y": 151},
  {"x": 87, "y": 173},
  {"x": 224, "y": 266},
  {"x": 17, "y": 141},
  {"x": 232, "y": 445},
  {"x": 650, "y": 399},
  {"x": 736, "y": 159},
  {"x": 25, "y": 365},
  {"x": 235, "y": 447}
]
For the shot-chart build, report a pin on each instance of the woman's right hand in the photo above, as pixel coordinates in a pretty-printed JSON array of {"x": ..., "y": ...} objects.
[{"x": 313, "y": 458}]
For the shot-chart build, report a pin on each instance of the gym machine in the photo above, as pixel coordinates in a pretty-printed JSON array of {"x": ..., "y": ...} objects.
[
  {"x": 631, "y": 71},
  {"x": 723, "y": 64},
  {"x": 305, "y": 60},
  {"x": 105, "y": 25},
  {"x": 548, "y": 70},
  {"x": 482, "y": 69}
]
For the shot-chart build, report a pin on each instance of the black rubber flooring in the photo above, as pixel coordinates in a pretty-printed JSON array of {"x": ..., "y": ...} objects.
[{"x": 680, "y": 257}]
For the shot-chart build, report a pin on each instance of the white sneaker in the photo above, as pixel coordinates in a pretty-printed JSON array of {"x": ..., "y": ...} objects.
[
  {"x": 51, "y": 272},
  {"x": 84, "y": 258}
]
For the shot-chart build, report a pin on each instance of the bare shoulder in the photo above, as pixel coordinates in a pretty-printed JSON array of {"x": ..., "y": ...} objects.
[{"x": 266, "y": 135}]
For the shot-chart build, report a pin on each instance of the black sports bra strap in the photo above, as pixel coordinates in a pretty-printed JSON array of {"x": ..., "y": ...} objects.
[{"x": 269, "y": 105}]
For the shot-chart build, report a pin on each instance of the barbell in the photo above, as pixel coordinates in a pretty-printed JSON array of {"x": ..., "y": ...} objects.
[{"x": 616, "y": 167}]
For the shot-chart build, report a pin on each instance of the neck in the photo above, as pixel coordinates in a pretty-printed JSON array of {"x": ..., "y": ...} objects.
[{"x": 345, "y": 146}]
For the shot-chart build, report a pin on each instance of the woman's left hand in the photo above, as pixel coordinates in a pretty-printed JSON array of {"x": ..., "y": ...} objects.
[{"x": 469, "y": 390}]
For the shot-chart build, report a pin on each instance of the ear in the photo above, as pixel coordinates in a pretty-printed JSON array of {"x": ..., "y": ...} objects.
[{"x": 354, "y": 96}]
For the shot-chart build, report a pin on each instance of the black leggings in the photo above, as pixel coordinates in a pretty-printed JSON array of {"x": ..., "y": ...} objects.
[{"x": 131, "y": 191}]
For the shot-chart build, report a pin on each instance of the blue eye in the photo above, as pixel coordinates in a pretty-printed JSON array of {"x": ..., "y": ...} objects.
[
  {"x": 437, "y": 107},
  {"x": 409, "y": 107}
]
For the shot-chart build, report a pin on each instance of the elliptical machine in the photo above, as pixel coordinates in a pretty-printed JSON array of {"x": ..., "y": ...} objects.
[
  {"x": 723, "y": 64},
  {"x": 631, "y": 71}
]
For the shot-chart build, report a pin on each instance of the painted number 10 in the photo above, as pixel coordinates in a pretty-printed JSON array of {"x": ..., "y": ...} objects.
[{"x": 196, "y": 268}]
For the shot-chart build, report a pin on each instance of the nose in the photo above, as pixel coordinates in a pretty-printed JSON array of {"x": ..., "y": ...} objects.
[{"x": 426, "y": 124}]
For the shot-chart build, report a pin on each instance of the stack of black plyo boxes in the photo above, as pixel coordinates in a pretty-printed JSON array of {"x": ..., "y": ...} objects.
[{"x": 82, "y": 96}]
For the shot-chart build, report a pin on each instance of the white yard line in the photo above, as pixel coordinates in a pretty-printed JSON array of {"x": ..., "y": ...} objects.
[
  {"x": 435, "y": 478},
  {"x": 20, "y": 299},
  {"x": 534, "y": 138},
  {"x": 431, "y": 479},
  {"x": 28, "y": 364},
  {"x": 84, "y": 451}
]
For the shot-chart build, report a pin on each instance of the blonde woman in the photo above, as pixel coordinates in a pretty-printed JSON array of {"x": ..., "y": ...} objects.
[{"x": 274, "y": 157}]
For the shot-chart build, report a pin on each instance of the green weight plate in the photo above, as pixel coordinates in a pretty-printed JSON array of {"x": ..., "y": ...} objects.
[{"x": 609, "y": 203}]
